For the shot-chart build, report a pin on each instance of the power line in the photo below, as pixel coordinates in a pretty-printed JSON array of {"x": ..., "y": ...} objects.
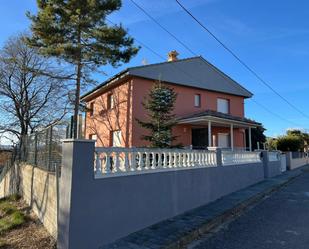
[
  {"x": 162, "y": 27},
  {"x": 241, "y": 61},
  {"x": 274, "y": 113},
  {"x": 161, "y": 57}
]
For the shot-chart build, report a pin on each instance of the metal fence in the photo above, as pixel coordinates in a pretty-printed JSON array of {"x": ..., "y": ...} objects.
[
  {"x": 298, "y": 154},
  {"x": 44, "y": 148}
]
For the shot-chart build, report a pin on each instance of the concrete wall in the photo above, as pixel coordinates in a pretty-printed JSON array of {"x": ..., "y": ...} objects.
[
  {"x": 94, "y": 212},
  {"x": 271, "y": 168},
  {"x": 8, "y": 181},
  {"x": 38, "y": 189},
  {"x": 294, "y": 163}
]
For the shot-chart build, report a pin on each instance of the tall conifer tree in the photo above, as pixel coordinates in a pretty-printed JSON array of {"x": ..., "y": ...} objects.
[
  {"x": 159, "y": 104},
  {"x": 76, "y": 31}
]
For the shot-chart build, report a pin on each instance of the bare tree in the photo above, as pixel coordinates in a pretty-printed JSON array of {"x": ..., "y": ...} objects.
[
  {"x": 30, "y": 94},
  {"x": 105, "y": 119}
]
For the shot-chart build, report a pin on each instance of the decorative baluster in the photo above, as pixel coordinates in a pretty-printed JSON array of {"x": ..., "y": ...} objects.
[
  {"x": 192, "y": 159},
  {"x": 116, "y": 162},
  {"x": 154, "y": 160},
  {"x": 164, "y": 160},
  {"x": 170, "y": 162},
  {"x": 180, "y": 159},
  {"x": 98, "y": 168},
  {"x": 199, "y": 158},
  {"x": 107, "y": 162},
  {"x": 126, "y": 161},
  {"x": 159, "y": 159},
  {"x": 133, "y": 161},
  {"x": 184, "y": 159},
  {"x": 140, "y": 160},
  {"x": 176, "y": 165},
  {"x": 188, "y": 159},
  {"x": 147, "y": 160},
  {"x": 203, "y": 158}
]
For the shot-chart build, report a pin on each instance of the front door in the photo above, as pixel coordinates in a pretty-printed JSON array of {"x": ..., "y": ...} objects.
[
  {"x": 200, "y": 138},
  {"x": 223, "y": 140}
]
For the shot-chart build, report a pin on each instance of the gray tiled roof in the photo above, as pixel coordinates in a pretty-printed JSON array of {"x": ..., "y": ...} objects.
[
  {"x": 211, "y": 113},
  {"x": 193, "y": 72}
]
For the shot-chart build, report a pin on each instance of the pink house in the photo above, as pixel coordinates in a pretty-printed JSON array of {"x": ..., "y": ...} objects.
[{"x": 209, "y": 106}]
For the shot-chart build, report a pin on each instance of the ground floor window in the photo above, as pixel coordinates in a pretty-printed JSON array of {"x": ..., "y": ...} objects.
[
  {"x": 223, "y": 140},
  {"x": 116, "y": 138}
]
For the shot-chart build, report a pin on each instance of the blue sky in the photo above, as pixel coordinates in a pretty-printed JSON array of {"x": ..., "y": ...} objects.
[{"x": 270, "y": 36}]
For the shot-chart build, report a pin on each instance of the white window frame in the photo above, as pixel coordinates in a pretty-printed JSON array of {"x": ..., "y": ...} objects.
[
  {"x": 197, "y": 100},
  {"x": 116, "y": 138},
  {"x": 223, "y": 105},
  {"x": 91, "y": 109},
  {"x": 225, "y": 135},
  {"x": 110, "y": 101}
]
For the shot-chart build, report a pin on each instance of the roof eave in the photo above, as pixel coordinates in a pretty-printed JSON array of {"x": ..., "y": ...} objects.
[
  {"x": 217, "y": 119},
  {"x": 105, "y": 84}
]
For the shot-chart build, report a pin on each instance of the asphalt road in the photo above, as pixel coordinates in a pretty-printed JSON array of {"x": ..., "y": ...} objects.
[{"x": 279, "y": 221}]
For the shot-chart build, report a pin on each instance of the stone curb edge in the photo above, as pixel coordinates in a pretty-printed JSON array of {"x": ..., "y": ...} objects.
[{"x": 227, "y": 215}]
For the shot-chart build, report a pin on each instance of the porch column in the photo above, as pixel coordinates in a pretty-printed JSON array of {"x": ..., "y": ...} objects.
[
  {"x": 250, "y": 142},
  {"x": 232, "y": 136},
  {"x": 209, "y": 134}
]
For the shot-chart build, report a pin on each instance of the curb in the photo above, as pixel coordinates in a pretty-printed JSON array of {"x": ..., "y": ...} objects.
[
  {"x": 181, "y": 230},
  {"x": 227, "y": 215}
]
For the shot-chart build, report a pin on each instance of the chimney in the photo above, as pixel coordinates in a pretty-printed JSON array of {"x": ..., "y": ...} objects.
[{"x": 172, "y": 56}]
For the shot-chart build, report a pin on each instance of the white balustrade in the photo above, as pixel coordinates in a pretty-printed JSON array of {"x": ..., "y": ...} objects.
[
  {"x": 113, "y": 161},
  {"x": 240, "y": 157}
]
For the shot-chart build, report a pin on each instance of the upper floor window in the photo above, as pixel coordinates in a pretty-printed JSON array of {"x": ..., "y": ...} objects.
[
  {"x": 223, "y": 105},
  {"x": 110, "y": 101},
  {"x": 91, "y": 111},
  {"x": 197, "y": 100}
]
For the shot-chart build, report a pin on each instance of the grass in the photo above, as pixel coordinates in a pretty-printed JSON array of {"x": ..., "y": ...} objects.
[{"x": 10, "y": 216}]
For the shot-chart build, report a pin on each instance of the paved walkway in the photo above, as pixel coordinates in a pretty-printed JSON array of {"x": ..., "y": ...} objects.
[{"x": 280, "y": 221}]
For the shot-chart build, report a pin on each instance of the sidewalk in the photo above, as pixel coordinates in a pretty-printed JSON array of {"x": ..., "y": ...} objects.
[{"x": 183, "y": 229}]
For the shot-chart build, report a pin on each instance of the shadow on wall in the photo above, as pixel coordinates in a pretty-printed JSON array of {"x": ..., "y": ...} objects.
[
  {"x": 9, "y": 180},
  {"x": 37, "y": 187},
  {"x": 111, "y": 112}
]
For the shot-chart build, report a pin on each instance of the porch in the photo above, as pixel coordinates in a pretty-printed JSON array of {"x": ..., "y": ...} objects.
[{"x": 212, "y": 129}]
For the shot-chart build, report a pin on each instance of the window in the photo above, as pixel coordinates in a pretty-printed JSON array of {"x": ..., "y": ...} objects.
[
  {"x": 223, "y": 105},
  {"x": 91, "y": 109},
  {"x": 116, "y": 138},
  {"x": 197, "y": 100},
  {"x": 93, "y": 137},
  {"x": 110, "y": 101},
  {"x": 223, "y": 140}
]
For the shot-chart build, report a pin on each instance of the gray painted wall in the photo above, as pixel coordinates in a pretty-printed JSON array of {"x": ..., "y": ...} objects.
[
  {"x": 94, "y": 212},
  {"x": 271, "y": 168}
]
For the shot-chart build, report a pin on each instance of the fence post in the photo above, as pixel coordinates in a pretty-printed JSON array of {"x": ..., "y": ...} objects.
[
  {"x": 36, "y": 149},
  {"x": 219, "y": 156},
  {"x": 77, "y": 174},
  {"x": 57, "y": 175},
  {"x": 289, "y": 160},
  {"x": 50, "y": 146},
  {"x": 265, "y": 159}
]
